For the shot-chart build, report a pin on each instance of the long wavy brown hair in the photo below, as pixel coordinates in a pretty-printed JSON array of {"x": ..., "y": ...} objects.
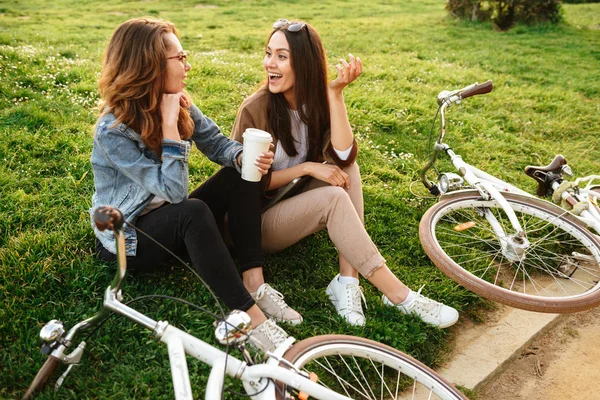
[
  {"x": 133, "y": 78},
  {"x": 310, "y": 69}
]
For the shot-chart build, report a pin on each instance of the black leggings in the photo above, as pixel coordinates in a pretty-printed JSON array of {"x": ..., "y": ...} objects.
[{"x": 189, "y": 229}]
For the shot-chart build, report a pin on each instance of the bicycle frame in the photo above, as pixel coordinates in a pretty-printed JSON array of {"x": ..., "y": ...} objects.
[
  {"x": 180, "y": 344},
  {"x": 513, "y": 243},
  {"x": 258, "y": 379}
]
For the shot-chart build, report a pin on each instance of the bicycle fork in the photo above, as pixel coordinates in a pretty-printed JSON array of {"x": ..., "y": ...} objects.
[{"x": 514, "y": 245}]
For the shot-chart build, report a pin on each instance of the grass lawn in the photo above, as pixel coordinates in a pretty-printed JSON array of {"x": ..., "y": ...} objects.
[{"x": 546, "y": 101}]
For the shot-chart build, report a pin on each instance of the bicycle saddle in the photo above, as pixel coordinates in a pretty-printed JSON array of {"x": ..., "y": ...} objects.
[{"x": 544, "y": 176}]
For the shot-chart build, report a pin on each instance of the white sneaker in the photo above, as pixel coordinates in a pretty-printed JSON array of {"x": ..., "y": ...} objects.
[
  {"x": 267, "y": 336},
  {"x": 430, "y": 311},
  {"x": 347, "y": 301},
  {"x": 271, "y": 302}
]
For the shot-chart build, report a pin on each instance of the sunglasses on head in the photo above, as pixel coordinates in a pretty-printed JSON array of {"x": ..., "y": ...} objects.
[{"x": 291, "y": 26}]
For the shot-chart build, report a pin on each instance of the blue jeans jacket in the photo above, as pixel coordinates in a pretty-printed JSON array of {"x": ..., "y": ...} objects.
[{"x": 128, "y": 175}]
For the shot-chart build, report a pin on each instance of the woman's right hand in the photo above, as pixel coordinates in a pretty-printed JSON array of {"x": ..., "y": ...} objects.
[
  {"x": 169, "y": 109},
  {"x": 329, "y": 173}
]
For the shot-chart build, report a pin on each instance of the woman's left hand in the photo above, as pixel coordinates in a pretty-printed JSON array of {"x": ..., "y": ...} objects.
[
  {"x": 264, "y": 161},
  {"x": 347, "y": 73}
]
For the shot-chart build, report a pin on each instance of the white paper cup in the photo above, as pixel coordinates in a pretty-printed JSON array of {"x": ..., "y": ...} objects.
[{"x": 255, "y": 142}]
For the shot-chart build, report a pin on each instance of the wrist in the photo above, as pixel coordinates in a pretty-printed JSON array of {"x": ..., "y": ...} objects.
[
  {"x": 170, "y": 132},
  {"x": 336, "y": 93},
  {"x": 306, "y": 168}
]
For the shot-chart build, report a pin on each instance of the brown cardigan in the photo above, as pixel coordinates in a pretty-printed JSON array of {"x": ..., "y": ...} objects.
[{"x": 253, "y": 114}]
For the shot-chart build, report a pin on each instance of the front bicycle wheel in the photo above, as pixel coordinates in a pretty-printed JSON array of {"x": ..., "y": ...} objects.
[
  {"x": 558, "y": 270},
  {"x": 363, "y": 369}
]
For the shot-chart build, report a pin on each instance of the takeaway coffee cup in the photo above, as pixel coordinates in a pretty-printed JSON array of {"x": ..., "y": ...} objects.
[{"x": 255, "y": 142}]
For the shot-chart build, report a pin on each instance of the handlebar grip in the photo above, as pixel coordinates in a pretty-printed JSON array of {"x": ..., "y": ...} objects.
[
  {"x": 41, "y": 379},
  {"x": 107, "y": 217},
  {"x": 484, "y": 88}
]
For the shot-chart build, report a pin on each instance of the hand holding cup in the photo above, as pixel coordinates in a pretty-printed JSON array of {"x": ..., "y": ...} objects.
[
  {"x": 264, "y": 161},
  {"x": 256, "y": 158}
]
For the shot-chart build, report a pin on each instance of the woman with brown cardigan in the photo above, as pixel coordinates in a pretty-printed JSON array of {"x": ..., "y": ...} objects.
[{"x": 308, "y": 120}]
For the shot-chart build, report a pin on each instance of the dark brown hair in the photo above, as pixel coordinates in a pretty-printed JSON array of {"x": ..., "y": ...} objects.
[
  {"x": 310, "y": 68},
  {"x": 133, "y": 78}
]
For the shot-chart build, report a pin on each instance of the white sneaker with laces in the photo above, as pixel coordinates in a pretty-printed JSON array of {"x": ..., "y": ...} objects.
[
  {"x": 430, "y": 311},
  {"x": 267, "y": 336},
  {"x": 347, "y": 301},
  {"x": 271, "y": 302}
]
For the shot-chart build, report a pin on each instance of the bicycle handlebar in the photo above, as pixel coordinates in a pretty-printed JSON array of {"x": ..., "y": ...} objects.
[
  {"x": 107, "y": 217},
  {"x": 484, "y": 88},
  {"x": 447, "y": 97}
]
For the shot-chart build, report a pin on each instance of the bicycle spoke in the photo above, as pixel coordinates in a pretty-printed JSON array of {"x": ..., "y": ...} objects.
[{"x": 538, "y": 269}]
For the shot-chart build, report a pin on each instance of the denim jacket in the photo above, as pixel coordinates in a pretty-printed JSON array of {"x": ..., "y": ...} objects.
[{"x": 127, "y": 174}]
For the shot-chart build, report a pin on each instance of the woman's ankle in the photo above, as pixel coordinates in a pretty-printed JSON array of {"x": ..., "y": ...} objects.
[{"x": 253, "y": 278}]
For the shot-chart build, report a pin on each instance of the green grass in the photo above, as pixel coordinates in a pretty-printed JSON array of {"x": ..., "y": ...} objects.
[{"x": 545, "y": 101}]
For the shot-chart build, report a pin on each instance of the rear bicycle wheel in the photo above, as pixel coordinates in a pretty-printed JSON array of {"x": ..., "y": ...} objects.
[
  {"x": 41, "y": 379},
  {"x": 363, "y": 369},
  {"x": 558, "y": 272}
]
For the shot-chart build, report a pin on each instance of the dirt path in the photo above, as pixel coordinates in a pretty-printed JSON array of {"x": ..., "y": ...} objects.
[{"x": 561, "y": 364}]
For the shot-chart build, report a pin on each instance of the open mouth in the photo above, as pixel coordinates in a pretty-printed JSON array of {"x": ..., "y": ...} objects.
[{"x": 273, "y": 77}]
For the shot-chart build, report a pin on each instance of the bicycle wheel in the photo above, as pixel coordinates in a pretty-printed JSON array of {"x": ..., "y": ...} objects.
[
  {"x": 363, "y": 369},
  {"x": 42, "y": 377},
  {"x": 558, "y": 272}
]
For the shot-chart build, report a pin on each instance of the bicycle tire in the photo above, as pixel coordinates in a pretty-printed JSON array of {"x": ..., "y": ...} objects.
[
  {"x": 350, "y": 351},
  {"x": 41, "y": 379},
  {"x": 477, "y": 262}
]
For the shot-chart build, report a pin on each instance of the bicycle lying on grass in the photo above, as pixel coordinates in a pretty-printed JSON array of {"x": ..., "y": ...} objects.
[
  {"x": 328, "y": 367},
  {"x": 500, "y": 241}
]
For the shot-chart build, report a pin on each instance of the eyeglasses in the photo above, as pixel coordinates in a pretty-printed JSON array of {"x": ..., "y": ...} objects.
[
  {"x": 181, "y": 57},
  {"x": 291, "y": 26}
]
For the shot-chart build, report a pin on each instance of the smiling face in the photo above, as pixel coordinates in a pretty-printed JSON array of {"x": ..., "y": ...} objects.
[
  {"x": 278, "y": 65},
  {"x": 176, "y": 69}
]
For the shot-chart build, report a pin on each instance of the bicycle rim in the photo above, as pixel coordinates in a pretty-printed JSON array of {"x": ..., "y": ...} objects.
[
  {"x": 559, "y": 271},
  {"x": 363, "y": 369}
]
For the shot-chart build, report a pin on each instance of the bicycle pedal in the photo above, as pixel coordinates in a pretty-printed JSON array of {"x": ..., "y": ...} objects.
[
  {"x": 464, "y": 226},
  {"x": 303, "y": 395}
]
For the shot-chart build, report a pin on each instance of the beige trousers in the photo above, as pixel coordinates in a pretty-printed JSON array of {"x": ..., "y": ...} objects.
[{"x": 321, "y": 206}]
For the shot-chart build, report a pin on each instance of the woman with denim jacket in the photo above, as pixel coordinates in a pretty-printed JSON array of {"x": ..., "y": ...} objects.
[
  {"x": 307, "y": 117},
  {"x": 142, "y": 142}
]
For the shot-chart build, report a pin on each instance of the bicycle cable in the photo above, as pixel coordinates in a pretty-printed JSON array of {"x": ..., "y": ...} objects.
[
  {"x": 431, "y": 135},
  {"x": 216, "y": 299},
  {"x": 227, "y": 347}
]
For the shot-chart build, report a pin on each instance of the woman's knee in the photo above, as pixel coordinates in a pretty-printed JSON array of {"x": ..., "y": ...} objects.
[
  {"x": 352, "y": 169},
  {"x": 334, "y": 197},
  {"x": 195, "y": 211}
]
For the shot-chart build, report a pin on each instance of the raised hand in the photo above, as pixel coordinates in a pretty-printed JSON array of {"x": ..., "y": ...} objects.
[
  {"x": 347, "y": 73},
  {"x": 169, "y": 109}
]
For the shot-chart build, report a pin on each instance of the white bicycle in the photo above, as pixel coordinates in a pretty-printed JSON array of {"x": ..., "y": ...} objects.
[
  {"x": 332, "y": 367},
  {"x": 502, "y": 242},
  {"x": 579, "y": 199}
]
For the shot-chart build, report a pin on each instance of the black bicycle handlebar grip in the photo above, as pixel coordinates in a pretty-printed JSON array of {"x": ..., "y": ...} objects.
[
  {"x": 484, "y": 88},
  {"x": 107, "y": 217}
]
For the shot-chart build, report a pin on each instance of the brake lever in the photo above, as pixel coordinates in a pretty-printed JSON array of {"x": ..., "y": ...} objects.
[{"x": 71, "y": 359}]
